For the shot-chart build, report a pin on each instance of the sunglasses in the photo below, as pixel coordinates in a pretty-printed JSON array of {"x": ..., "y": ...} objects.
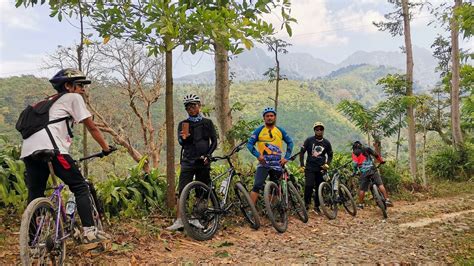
[
  {"x": 319, "y": 129},
  {"x": 190, "y": 106},
  {"x": 81, "y": 85},
  {"x": 270, "y": 133}
]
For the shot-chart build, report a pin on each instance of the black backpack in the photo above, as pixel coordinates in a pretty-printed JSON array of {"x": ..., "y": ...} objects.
[{"x": 36, "y": 117}]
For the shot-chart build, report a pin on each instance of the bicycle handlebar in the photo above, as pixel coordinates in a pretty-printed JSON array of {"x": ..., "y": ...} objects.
[
  {"x": 234, "y": 150},
  {"x": 99, "y": 154}
]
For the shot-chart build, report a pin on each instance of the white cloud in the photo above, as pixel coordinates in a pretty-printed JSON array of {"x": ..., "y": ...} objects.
[
  {"x": 355, "y": 19},
  {"x": 18, "y": 18},
  {"x": 28, "y": 64}
]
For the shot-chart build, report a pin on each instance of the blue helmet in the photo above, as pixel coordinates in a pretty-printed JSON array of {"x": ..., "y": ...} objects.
[
  {"x": 68, "y": 75},
  {"x": 268, "y": 110}
]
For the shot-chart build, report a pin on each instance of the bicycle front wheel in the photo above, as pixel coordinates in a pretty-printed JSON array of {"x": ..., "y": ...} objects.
[
  {"x": 297, "y": 203},
  {"x": 198, "y": 209},
  {"x": 379, "y": 200},
  {"x": 246, "y": 206},
  {"x": 38, "y": 241},
  {"x": 347, "y": 200},
  {"x": 274, "y": 204},
  {"x": 327, "y": 200}
]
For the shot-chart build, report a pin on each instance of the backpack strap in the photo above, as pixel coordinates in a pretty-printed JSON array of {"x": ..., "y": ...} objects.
[{"x": 69, "y": 130}]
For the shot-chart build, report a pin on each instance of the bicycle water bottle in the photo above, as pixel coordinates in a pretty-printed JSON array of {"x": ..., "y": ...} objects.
[
  {"x": 223, "y": 185},
  {"x": 336, "y": 182},
  {"x": 70, "y": 205}
]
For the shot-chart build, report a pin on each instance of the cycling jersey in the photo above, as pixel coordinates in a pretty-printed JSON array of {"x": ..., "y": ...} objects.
[
  {"x": 270, "y": 145},
  {"x": 362, "y": 159}
]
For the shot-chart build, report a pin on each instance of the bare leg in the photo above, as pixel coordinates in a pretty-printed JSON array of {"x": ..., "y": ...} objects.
[
  {"x": 384, "y": 191},
  {"x": 254, "y": 197},
  {"x": 361, "y": 196}
]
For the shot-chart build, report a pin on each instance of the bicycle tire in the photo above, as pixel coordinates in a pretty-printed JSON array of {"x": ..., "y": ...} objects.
[
  {"x": 246, "y": 206},
  {"x": 276, "y": 208},
  {"x": 97, "y": 208},
  {"x": 327, "y": 201},
  {"x": 200, "y": 210},
  {"x": 348, "y": 201},
  {"x": 28, "y": 227},
  {"x": 297, "y": 203},
  {"x": 379, "y": 200}
]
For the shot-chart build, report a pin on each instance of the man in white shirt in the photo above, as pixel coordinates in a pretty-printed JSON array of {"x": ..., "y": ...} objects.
[{"x": 70, "y": 84}]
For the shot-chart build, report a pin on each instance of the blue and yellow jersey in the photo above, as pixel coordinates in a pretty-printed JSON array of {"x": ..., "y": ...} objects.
[{"x": 270, "y": 144}]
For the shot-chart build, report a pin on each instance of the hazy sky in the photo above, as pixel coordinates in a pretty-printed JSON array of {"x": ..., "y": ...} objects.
[{"x": 327, "y": 29}]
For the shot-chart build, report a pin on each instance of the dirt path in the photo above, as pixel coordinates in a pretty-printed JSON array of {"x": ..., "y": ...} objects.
[{"x": 438, "y": 230}]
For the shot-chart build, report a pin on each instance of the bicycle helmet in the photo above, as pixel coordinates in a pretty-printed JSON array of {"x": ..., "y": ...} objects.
[
  {"x": 318, "y": 124},
  {"x": 68, "y": 75},
  {"x": 356, "y": 145},
  {"x": 191, "y": 98},
  {"x": 268, "y": 110}
]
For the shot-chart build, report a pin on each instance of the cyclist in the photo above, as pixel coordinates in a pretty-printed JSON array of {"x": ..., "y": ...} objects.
[
  {"x": 363, "y": 162},
  {"x": 70, "y": 84},
  {"x": 319, "y": 156},
  {"x": 269, "y": 139},
  {"x": 198, "y": 139}
]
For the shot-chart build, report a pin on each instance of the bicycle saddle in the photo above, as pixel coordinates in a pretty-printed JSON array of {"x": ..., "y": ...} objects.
[{"x": 44, "y": 155}]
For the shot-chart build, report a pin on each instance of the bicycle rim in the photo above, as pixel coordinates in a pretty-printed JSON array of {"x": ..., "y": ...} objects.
[
  {"x": 327, "y": 201},
  {"x": 198, "y": 206},
  {"x": 379, "y": 201},
  {"x": 38, "y": 243},
  {"x": 274, "y": 205},
  {"x": 297, "y": 203},
  {"x": 246, "y": 206},
  {"x": 347, "y": 200}
]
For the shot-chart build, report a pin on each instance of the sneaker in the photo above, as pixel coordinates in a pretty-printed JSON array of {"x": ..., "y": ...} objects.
[
  {"x": 317, "y": 210},
  {"x": 388, "y": 203},
  {"x": 196, "y": 223},
  {"x": 360, "y": 206},
  {"x": 93, "y": 235},
  {"x": 178, "y": 224}
]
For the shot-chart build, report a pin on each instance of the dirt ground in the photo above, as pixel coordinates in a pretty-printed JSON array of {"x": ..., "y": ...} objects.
[{"x": 439, "y": 230}]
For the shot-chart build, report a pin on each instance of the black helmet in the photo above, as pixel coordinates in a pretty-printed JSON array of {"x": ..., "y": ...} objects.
[
  {"x": 356, "y": 145},
  {"x": 68, "y": 75}
]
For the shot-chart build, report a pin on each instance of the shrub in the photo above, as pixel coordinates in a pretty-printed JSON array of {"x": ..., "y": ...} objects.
[
  {"x": 13, "y": 191},
  {"x": 447, "y": 163},
  {"x": 138, "y": 194},
  {"x": 391, "y": 178}
]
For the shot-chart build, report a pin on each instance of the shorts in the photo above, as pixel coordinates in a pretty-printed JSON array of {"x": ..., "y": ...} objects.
[{"x": 364, "y": 180}]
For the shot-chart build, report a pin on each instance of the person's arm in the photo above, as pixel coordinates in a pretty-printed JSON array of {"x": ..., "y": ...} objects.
[
  {"x": 213, "y": 139},
  {"x": 95, "y": 133},
  {"x": 376, "y": 155},
  {"x": 302, "y": 152},
  {"x": 251, "y": 143},
  {"x": 289, "y": 143},
  {"x": 329, "y": 152}
]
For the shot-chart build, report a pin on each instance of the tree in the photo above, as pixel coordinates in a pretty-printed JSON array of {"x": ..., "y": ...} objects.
[
  {"x": 455, "y": 97},
  {"x": 423, "y": 118},
  {"x": 276, "y": 46},
  {"x": 395, "y": 104},
  {"x": 226, "y": 26},
  {"x": 399, "y": 24}
]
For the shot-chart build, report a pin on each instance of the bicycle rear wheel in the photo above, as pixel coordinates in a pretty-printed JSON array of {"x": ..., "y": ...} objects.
[
  {"x": 297, "y": 203},
  {"x": 198, "y": 209},
  {"x": 379, "y": 200},
  {"x": 38, "y": 242},
  {"x": 274, "y": 204},
  {"x": 97, "y": 208},
  {"x": 246, "y": 206},
  {"x": 347, "y": 200},
  {"x": 327, "y": 201}
]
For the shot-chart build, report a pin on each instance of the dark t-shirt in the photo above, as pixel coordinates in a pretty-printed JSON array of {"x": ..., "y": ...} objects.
[
  {"x": 202, "y": 141},
  {"x": 318, "y": 152}
]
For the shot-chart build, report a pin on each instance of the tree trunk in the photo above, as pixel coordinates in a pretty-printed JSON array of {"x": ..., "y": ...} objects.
[
  {"x": 398, "y": 138},
  {"x": 277, "y": 78},
  {"x": 170, "y": 134},
  {"x": 410, "y": 109},
  {"x": 222, "y": 91},
  {"x": 455, "y": 108},
  {"x": 423, "y": 173}
]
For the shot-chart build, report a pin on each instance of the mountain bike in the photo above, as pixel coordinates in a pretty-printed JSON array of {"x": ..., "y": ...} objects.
[
  {"x": 46, "y": 224},
  {"x": 377, "y": 194},
  {"x": 333, "y": 193},
  {"x": 201, "y": 207},
  {"x": 281, "y": 198}
]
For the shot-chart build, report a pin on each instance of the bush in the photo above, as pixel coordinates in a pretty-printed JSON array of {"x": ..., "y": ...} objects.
[
  {"x": 136, "y": 195},
  {"x": 391, "y": 178},
  {"x": 447, "y": 163},
  {"x": 13, "y": 191}
]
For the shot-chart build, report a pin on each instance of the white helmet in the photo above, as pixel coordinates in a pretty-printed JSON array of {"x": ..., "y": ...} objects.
[{"x": 191, "y": 98}]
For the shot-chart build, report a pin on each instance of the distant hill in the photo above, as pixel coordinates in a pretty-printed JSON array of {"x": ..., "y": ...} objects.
[{"x": 250, "y": 65}]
